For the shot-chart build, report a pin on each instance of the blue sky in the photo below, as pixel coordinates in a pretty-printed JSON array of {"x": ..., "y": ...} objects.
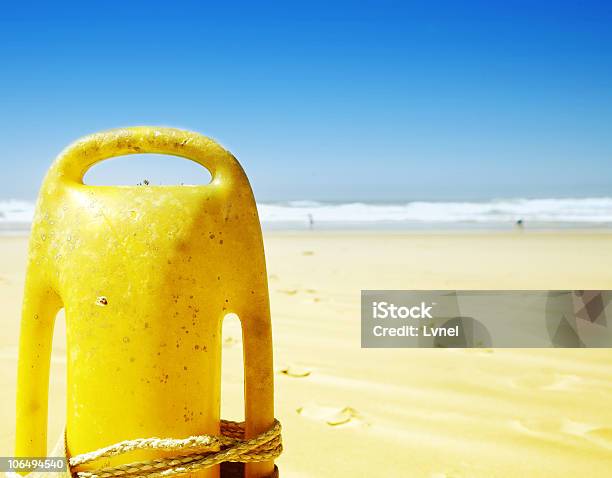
[{"x": 322, "y": 100}]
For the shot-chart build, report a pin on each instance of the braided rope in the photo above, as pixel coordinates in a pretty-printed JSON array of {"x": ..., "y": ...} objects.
[{"x": 195, "y": 453}]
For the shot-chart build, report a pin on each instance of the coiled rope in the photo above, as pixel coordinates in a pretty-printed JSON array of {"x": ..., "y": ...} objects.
[{"x": 195, "y": 453}]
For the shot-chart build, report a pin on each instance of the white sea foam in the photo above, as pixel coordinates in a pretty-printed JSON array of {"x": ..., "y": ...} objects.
[
  {"x": 582, "y": 210},
  {"x": 15, "y": 211},
  {"x": 579, "y": 211}
]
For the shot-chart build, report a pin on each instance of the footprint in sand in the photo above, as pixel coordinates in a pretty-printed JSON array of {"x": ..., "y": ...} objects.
[
  {"x": 230, "y": 342},
  {"x": 601, "y": 436},
  {"x": 478, "y": 351},
  {"x": 313, "y": 292},
  {"x": 559, "y": 427},
  {"x": 295, "y": 371},
  {"x": 564, "y": 382},
  {"x": 538, "y": 426},
  {"x": 308, "y": 253},
  {"x": 553, "y": 426},
  {"x": 332, "y": 416},
  {"x": 288, "y": 291},
  {"x": 547, "y": 381}
]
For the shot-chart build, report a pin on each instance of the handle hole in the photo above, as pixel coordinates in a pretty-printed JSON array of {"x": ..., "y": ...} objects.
[
  {"x": 232, "y": 369},
  {"x": 140, "y": 169},
  {"x": 57, "y": 381}
]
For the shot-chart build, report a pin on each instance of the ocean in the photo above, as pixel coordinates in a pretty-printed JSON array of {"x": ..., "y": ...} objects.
[{"x": 545, "y": 213}]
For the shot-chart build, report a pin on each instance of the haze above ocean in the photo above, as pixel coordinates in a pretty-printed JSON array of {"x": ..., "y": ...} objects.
[{"x": 16, "y": 215}]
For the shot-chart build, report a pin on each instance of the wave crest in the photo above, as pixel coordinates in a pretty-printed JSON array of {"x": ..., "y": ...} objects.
[{"x": 596, "y": 211}]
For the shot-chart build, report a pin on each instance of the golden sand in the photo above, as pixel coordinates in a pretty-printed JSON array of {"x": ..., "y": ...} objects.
[{"x": 394, "y": 412}]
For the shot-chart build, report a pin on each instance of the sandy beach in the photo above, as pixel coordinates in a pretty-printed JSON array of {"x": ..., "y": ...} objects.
[{"x": 352, "y": 412}]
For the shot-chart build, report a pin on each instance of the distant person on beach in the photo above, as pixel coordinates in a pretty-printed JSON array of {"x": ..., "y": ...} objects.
[
  {"x": 520, "y": 224},
  {"x": 310, "y": 222}
]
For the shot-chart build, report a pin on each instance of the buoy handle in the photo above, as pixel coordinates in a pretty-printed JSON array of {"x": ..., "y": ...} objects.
[{"x": 72, "y": 163}]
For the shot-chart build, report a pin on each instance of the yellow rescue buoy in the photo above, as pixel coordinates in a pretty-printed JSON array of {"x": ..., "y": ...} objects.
[{"x": 146, "y": 275}]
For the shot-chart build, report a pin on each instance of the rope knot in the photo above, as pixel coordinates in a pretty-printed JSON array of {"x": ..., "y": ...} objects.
[{"x": 193, "y": 453}]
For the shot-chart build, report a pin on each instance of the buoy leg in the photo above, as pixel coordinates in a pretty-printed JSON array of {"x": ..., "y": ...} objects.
[
  {"x": 259, "y": 383},
  {"x": 40, "y": 306}
]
